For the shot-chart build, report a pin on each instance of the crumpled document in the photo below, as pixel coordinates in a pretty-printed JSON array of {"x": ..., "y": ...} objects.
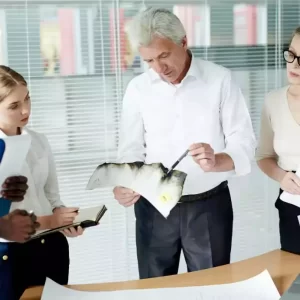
[{"x": 149, "y": 180}]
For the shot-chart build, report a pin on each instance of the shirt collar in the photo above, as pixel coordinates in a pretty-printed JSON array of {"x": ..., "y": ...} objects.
[
  {"x": 194, "y": 71},
  {"x": 3, "y": 135}
]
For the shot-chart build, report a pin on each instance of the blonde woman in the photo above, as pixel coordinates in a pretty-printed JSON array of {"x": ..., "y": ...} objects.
[
  {"x": 278, "y": 154},
  {"x": 28, "y": 264}
]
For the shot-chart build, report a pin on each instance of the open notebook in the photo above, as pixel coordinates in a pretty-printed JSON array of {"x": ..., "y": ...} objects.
[{"x": 86, "y": 217}]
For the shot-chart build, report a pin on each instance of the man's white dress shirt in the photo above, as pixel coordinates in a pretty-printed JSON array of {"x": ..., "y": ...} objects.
[
  {"x": 43, "y": 191},
  {"x": 161, "y": 120}
]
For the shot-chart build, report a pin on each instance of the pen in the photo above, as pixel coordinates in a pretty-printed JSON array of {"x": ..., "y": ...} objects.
[{"x": 178, "y": 161}]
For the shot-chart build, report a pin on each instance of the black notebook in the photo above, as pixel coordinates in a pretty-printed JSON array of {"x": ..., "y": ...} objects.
[{"x": 87, "y": 217}]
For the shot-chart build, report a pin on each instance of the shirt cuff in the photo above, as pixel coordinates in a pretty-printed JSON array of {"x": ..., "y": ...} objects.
[
  {"x": 242, "y": 163},
  {"x": 58, "y": 206}
]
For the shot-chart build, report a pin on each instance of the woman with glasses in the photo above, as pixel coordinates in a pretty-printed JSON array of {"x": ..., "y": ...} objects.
[{"x": 278, "y": 153}]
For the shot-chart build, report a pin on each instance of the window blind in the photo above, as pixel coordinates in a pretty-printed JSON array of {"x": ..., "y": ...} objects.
[{"x": 78, "y": 62}]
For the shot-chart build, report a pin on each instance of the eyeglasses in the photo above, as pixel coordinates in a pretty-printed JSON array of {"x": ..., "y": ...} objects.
[{"x": 289, "y": 57}]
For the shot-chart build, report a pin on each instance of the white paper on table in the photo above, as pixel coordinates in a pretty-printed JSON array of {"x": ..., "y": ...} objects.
[
  {"x": 16, "y": 149},
  {"x": 147, "y": 180},
  {"x": 259, "y": 287},
  {"x": 289, "y": 198}
]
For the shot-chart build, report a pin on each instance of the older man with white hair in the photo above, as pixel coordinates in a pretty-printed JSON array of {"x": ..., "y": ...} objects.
[{"x": 183, "y": 103}]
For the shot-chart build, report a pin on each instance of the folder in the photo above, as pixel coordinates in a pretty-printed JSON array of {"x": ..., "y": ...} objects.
[{"x": 13, "y": 152}]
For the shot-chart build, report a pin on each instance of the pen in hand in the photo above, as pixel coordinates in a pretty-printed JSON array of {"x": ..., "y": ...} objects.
[
  {"x": 178, "y": 161},
  {"x": 64, "y": 216}
]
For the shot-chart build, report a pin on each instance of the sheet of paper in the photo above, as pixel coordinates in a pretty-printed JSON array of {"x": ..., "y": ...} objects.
[
  {"x": 15, "y": 152},
  {"x": 147, "y": 180},
  {"x": 289, "y": 198},
  {"x": 260, "y": 287}
]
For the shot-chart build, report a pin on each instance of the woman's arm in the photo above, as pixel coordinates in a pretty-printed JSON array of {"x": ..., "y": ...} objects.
[
  {"x": 51, "y": 187},
  {"x": 270, "y": 167},
  {"x": 265, "y": 153},
  {"x": 61, "y": 215},
  {"x": 267, "y": 158},
  {"x": 45, "y": 222}
]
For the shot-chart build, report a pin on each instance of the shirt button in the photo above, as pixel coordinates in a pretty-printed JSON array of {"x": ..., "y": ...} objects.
[
  {"x": 43, "y": 241},
  {"x": 5, "y": 257}
]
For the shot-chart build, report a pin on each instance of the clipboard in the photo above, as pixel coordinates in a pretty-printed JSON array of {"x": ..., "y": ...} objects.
[{"x": 13, "y": 152}]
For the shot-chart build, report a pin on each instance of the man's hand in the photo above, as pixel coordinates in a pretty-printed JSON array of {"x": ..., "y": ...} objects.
[
  {"x": 204, "y": 156},
  {"x": 18, "y": 226},
  {"x": 125, "y": 197},
  {"x": 291, "y": 183},
  {"x": 14, "y": 188},
  {"x": 63, "y": 216}
]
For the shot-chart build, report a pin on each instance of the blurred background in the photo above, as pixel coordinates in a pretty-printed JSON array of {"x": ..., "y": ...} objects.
[{"x": 77, "y": 60}]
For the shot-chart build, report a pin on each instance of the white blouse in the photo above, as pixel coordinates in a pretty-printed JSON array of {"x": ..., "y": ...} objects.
[
  {"x": 43, "y": 192},
  {"x": 279, "y": 133}
]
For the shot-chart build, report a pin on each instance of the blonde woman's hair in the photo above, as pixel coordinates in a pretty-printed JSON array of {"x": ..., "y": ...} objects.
[
  {"x": 296, "y": 32},
  {"x": 9, "y": 79}
]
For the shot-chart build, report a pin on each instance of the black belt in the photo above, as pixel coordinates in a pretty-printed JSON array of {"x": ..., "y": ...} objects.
[{"x": 205, "y": 195}]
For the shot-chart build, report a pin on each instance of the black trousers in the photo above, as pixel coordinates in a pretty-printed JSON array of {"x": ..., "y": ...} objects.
[
  {"x": 289, "y": 227},
  {"x": 201, "y": 228},
  {"x": 26, "y": 265}
]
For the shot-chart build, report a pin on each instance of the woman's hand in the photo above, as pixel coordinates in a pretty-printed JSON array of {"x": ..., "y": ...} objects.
[
  {"x": 73, "y": 232},
  {"x": 63, "y": 216},
  {"x": 291, "y": 183}
]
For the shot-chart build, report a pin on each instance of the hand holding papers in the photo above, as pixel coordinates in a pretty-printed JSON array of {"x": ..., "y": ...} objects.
[
  {"x": 290, "y": 198},
  {"x": 14, "y": 188},
  {"x": 13, "y": 152},
  {"x": 260, "y": 287},
  {"x": 151, "y": 181}
]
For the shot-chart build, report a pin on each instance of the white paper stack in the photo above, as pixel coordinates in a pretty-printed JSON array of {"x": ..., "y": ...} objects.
[{"x": 260, "y": 287}]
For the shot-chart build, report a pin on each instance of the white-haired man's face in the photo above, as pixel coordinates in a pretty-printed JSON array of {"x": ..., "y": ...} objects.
[{"x": 166, "y": 58}]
